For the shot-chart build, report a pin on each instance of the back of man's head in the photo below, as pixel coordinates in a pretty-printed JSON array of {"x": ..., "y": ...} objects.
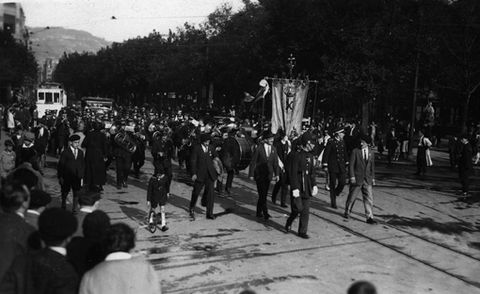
[
  {"x": 56, "y": 225},
  {"x": 362, "y": 287},
  {"x": 14, "y": 196},
  {"x": 25, "y": 177},
  {"x": 120, "y": 237}
]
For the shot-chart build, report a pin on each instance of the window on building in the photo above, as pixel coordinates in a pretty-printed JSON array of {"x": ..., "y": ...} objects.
[
  {"x": 9, "y": 23},
  {"x": 41, "y": 96},
  {"x": 48, "y": 98},
  {"x": 56, "y": 97}
]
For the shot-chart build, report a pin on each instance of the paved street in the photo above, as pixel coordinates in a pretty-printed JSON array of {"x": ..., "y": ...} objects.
[{"x": 427, "y": 239}]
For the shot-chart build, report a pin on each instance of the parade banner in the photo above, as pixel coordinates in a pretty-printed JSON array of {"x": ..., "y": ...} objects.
[{"x": 288, "y": 104}]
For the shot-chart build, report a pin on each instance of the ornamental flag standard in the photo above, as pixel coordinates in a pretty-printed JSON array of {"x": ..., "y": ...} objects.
[{"x": 288, "y": 103}]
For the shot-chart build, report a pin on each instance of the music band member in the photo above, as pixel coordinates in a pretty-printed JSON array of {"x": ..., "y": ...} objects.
[
  {"x": 203, "y": 175},
  {"x": 70, "y": 171},
  {"x": 264, "y": 168},
  {"x": 362, "y": 178},
  {"x": 335, "y": 160},
  {"x": 301, "y": 171},
  {"x": 96, "y": 146},
  {"x": 123, "y": 158}
]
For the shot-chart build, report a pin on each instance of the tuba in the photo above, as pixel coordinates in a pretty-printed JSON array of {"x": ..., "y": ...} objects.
[{"x": 125, "y": 141}]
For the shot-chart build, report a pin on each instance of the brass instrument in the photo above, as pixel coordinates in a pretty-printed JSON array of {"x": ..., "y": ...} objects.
[
  {"x": 157, "y": 135},
  {"x": 125, "y": 141}
]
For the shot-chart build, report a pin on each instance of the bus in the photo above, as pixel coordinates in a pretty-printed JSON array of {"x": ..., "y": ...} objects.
[
  {"x": 51, "y": 97},
  {"x": 98, "y": 104}
]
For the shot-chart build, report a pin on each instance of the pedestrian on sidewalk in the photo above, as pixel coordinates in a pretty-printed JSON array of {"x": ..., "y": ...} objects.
[
  {"x": 465, "y": 165},
  {"x": 362, "y": 178},
  {"x": 423, "y": 154}
]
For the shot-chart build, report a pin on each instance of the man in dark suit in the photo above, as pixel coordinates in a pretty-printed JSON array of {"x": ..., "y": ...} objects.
[
  {"x": 362, "y": 177},
  {"x": 335, "y": 160},
  {"x": 264, "y": 168},
  {"x": 301, "y": 172},
  {"x": 46, "y": 271},
  {"x": 465, "y": 165},
  {"x": 14, "y": 230},
  {"x": 283, "y": 147},
  {"x": 203, "y": 175},
  {"x": 70, "y": 171}
]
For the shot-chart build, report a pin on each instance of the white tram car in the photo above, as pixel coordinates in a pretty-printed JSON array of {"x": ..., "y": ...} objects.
[{"x": 50, "y": 96}]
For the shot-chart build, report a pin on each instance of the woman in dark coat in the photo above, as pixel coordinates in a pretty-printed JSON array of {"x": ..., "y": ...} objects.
[{"x": 96, "y": 144}]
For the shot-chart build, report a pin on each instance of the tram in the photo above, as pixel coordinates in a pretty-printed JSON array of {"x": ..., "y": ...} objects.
[{"x": 51, "y": 97}]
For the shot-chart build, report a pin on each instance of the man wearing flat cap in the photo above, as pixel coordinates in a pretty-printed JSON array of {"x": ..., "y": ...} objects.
[
  {"x": 203, "y": 175},
  {"x": 263, "y": 169},
  {"x": 70, "y": 171},
  {"x": 335, "y": 160},
  {"x": 301, "y": 172}
]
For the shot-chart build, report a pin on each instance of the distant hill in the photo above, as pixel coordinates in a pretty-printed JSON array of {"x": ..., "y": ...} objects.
[{"x": 54, "y": 41}]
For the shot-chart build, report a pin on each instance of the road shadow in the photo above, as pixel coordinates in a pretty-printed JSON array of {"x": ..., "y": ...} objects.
[{"x": 448, "y": 228}]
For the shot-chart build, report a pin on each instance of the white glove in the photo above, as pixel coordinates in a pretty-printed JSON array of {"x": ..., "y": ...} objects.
[
  {"x": 314, "y": 191},
  {"x": 296, "y": 193}
]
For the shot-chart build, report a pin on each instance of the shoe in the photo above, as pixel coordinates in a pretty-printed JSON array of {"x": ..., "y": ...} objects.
[
  {"x": 345, "y": 215},
  {"x": 192, "y": 214},
  {"x": 259, "y": 215},
  {"x": 287, "y": 228},
  {"x": 119, "y": 187},
  {"x": 125, "y": 185},
  {"x": 284, "y": 205},
  {"x": 211, "y": 217},
  {"x": 304, "y": 235},
  {"x": 164, "y": 228},
  {"x": 334, "y": 206},
  {"x": 371, "y": 221},
  {"x": 227, "y": 191},
  {"x": 267, "y": 216}
]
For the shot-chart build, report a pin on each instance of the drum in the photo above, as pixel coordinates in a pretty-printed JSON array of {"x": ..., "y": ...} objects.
[{"x": 245, "y": 150}]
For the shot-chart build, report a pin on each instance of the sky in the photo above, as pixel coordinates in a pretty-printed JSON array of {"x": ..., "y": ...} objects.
[{"x": 132, "y": 17}]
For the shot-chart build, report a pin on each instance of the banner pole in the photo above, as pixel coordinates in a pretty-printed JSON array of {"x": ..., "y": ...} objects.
[{"x": 314, "y": 103}]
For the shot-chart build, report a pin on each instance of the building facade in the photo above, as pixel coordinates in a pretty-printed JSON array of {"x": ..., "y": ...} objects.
[{"x": 12, "y": 19}]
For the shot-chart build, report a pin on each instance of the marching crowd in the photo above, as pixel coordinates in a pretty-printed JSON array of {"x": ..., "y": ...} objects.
[{"x": 55, "y": 250}]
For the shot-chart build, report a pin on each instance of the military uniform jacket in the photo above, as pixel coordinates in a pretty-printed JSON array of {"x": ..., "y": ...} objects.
[
  {"x": 301, "y": 171},
  {"x": 335, "y": 156}
]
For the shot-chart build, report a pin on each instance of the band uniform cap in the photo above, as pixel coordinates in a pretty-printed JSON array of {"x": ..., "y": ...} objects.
[
  {"x": 74, "y": 137},
  {"x": 306, "y": 137},
  {"x": 9, "y": 142},
  {"x": 338, "y": 130},
  {"x": 205, "y": 137},
  {"x": 29, "y": 136}
]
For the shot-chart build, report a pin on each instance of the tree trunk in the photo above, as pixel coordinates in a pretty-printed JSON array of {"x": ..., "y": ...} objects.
[
  {"x": 465, "y": 112},
  {"x": 365, "y": 115}
]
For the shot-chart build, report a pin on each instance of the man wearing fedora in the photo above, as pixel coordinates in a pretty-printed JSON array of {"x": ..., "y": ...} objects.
[
  {"x": 335, "y": 160},
  {"x": 203, "y": 175},
  {"x": 70, "y": 171},
  {"x": 263, "y": 169}
]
